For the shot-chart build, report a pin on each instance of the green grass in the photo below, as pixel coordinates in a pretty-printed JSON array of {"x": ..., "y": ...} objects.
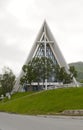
[
  {"x": 17, "y": 95},
  {"x": 46, "y": 102},
  {"x": 20, "y": 94}
]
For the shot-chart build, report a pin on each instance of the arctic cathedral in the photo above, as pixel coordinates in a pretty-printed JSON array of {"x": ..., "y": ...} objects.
[{"x": 45, "y": 46}]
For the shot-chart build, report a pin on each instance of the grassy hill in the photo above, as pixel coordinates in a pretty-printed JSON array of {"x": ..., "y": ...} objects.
[
  {"x": 44, "y": 102},
  {"x": 79, "y": 68}
]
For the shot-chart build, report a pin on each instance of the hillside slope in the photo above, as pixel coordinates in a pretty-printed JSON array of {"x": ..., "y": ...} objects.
[{"x": 46, "y": 102}]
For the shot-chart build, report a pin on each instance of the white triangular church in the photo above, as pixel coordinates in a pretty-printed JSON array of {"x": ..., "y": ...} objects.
[{"x": 45, "y": 45}]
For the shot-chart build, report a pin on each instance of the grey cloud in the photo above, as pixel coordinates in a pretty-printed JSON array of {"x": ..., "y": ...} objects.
[
  {"x": 11, "y": 56},
  {"x": 3, "y": 3},
  {"x": 10, "y": 52},
  {"x": 64, "y": 17},
  {"x": 59, "y": 10},
  {"x": 10, "y": 25}
]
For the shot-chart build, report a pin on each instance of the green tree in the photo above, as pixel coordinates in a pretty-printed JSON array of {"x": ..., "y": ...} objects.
[
  {"x": 73, "y": 71},
  {"x": 29, "y": 75},
  {"x": 61, "y": 75},
  {"x": 7, "y": 80},
  {"x": 36, "y": 70},
  {"x": 43, "y": 68}
]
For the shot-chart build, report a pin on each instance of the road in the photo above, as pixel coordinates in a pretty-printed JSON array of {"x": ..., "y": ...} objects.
[{"x": 21, "y": 122}]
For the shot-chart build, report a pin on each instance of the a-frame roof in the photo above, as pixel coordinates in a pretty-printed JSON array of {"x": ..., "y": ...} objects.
[{"x": 55, "y": 48}]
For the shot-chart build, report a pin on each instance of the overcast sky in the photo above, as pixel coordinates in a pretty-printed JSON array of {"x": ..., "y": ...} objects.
[{"x": 21, "y": 20}]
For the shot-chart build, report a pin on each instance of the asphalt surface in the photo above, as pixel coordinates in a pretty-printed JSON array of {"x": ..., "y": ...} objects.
[{"x": 23, "y": 122}]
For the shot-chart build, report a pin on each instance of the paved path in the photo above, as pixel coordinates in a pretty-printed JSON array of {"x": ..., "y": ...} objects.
[{"x": 19, "y": 122}]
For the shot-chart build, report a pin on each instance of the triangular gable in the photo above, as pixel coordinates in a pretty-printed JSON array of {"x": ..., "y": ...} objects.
[{"x": 46, "y": 36}]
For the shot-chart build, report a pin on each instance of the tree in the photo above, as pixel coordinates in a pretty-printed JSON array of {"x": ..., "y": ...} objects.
[
  {"x": 7, "y": 80},
  {"x": 43, "y": 68},
  {"x": 29, "y": 74},
  {"x": 62, "y": 75},
  {"x": 73, "y": 71},
  {"x": 39, "y": 69},
  {"x": 36, "y": 70}
]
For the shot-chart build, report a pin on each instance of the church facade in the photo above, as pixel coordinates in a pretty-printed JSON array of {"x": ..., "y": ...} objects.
[{"x": 45, "y": 45}]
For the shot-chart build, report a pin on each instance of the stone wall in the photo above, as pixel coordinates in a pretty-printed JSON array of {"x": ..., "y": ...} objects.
[{"x": 73, "y": 112}]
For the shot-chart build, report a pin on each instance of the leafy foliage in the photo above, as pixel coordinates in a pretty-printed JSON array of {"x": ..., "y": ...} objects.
[
  {"x": 79, "y": 68},
  {"x": 62, "y": 75},
  {"x": 38, "y": 69},
  {"x": 7, "y": 80},
  {"x": 73, "y": 71}
]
